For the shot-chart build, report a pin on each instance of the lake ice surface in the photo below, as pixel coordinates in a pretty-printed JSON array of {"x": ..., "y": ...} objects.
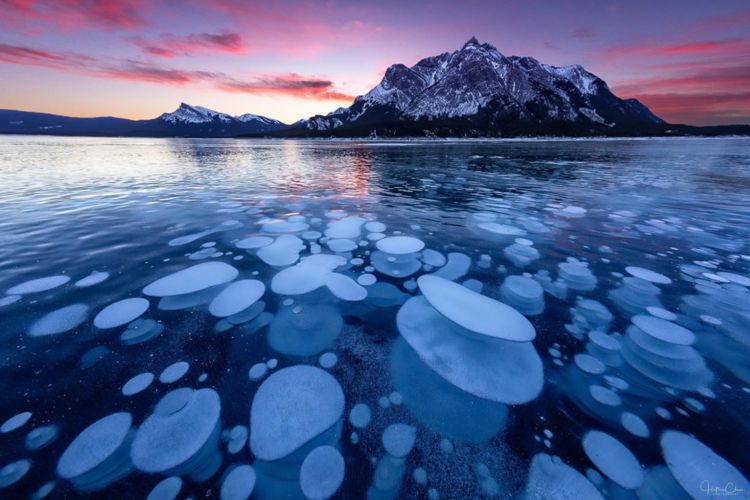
[{"x": 303, "y": 318}]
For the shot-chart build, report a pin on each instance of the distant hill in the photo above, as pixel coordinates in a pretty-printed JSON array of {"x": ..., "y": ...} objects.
[{"x": 185, "y": 121}]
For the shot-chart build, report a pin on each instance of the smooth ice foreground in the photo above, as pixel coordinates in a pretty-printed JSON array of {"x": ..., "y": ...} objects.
[{"x": 374, "y": 319}]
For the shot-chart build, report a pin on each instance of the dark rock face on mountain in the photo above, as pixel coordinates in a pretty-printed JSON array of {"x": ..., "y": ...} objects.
[
  {"x": 477, "y": 91},
  {"x": 185, "y": 121}
]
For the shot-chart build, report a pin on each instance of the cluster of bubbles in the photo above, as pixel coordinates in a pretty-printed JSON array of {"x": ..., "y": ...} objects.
[{"x": 463, "y": 364}]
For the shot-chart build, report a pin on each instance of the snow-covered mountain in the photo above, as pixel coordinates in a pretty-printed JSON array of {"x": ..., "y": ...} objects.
[
  {"x": 477, "y": 90},
  {"x": 185, "y": 121},
  {"x": 187, "y": 115}
]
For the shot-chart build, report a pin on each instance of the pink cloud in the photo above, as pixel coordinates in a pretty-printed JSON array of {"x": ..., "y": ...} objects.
[
  {"x": 77, "y": 14},
  {"x": 291, "y": 84},
  {"x": 172, "y": 45},
  {"x": 733, "y": 47}
]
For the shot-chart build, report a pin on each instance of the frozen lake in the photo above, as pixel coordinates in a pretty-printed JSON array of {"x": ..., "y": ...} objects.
[{"x": 519, "y": 319}]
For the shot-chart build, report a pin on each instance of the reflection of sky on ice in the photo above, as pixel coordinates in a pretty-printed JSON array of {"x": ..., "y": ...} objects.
[{"x": 402, "y": 319}]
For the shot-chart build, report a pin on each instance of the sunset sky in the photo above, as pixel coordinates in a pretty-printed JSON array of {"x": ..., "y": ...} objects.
[{"x": 688, "y": 60}]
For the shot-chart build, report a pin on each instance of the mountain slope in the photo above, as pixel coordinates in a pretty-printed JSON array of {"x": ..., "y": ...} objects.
[
  {"x": 185, "y": 121},
  {"x": 476, "y": 91}
]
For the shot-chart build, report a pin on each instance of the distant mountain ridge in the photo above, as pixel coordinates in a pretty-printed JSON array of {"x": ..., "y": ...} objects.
[
  {"x": 477, "y": 91},
  {"x": 185, "y": 121},
  {"x": 474, "y": 91}
]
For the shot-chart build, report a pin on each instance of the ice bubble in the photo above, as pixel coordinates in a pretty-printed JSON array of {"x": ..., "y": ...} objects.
[
  {"x": 257, "y": 371},
  {"x": 189, "y": 238},
  {"x": 398, "y": 439},
  {"x": 457, "y": 266},
  {"x": 523, "y": 294},
  {"x": 121, "y": 312},
  {"x": 38, "y": 285},
  {"x": 282, "y": 252},
  {"x": 577, "y": 276},
  {"x": 664, "y": 330},
  {"x": 311, "y": 235},
  {"x": 237, "y": 439},
  {"x": 735, "y": 278},
  {"x": 375, "y": 227},
  {"x": 634, "y": 424},
  {"x": 473, "y": 285},
  {"x": 521, "y": 255},
  {"x": 307, "y": 276},
  {"x": 499, "y": 370},
  {"x": 277, "y": 227},
  {"x": 420, "y": 476},
  {"x": 501, "y": 229},
  {"x": 59, "y": 321},
  {"x": 635, "y": 295},
  {"x": 98, "y": 456},
  {"x": 14, "y": 472},
  {"x": 238, "y": 483},
  {"x": 291, "y": 407},
  {"x": 613, "y": 459},
  {"x": 397, "y": 266},
  {"x": 167, "y": 489},
  {"x": 44, "y": 490},
  {"x": 305, "y": 331},
  {"x": 254, "y": 242},
  {"x": 366, "y": 279},
  {"x": 572, "y": 211},
  {"x": 254, "y": 326},
  {"x": 433, "y": 258},
  {"x": 41, "y": 436},
  {"x": 360, "y": 415},
  {"x": 342, "y": 245},
  {"x": 247, "y": 314},
  {"x": 439, "y": 405},
  {"x": 15, "y": 422},
  {"x": 605, "y": 396},
  {"x": 137, "y": 384},
  {"x": 192, "y": 279},
  {"x": 375, "y": 236},
  {"x": 321, "y": 473},
  {"x": 693, "y": 465},
  {"x": 204, "y": 253},
  {"x": 236, "y": 297},
  {"x": 400, "y": 245},
  {"x": 181, "y": 436},
  {"x": 348, "y": 227},
  {"x": 174, "y": 372},
  {"x": 661, "y": 313},
  {"x": 92, "y": 279},
  {"x": 648, "y": 275},
  {"x": 328, "y": 360},
  {"x": 710, "y": 320},
  {"x": 9, "y": 299},
  {"x": 550, "y": 478},
  {"x": 589, "y": 364},
  {"x": 589, "y": 315},
  {"x": 141, "y": 330},
  {"x": 345, "y": 288},
  {"x": 477, "y": 313}
]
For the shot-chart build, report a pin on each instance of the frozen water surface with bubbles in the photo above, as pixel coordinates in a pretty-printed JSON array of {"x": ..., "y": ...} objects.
[{"x": 352, "y": 319}]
